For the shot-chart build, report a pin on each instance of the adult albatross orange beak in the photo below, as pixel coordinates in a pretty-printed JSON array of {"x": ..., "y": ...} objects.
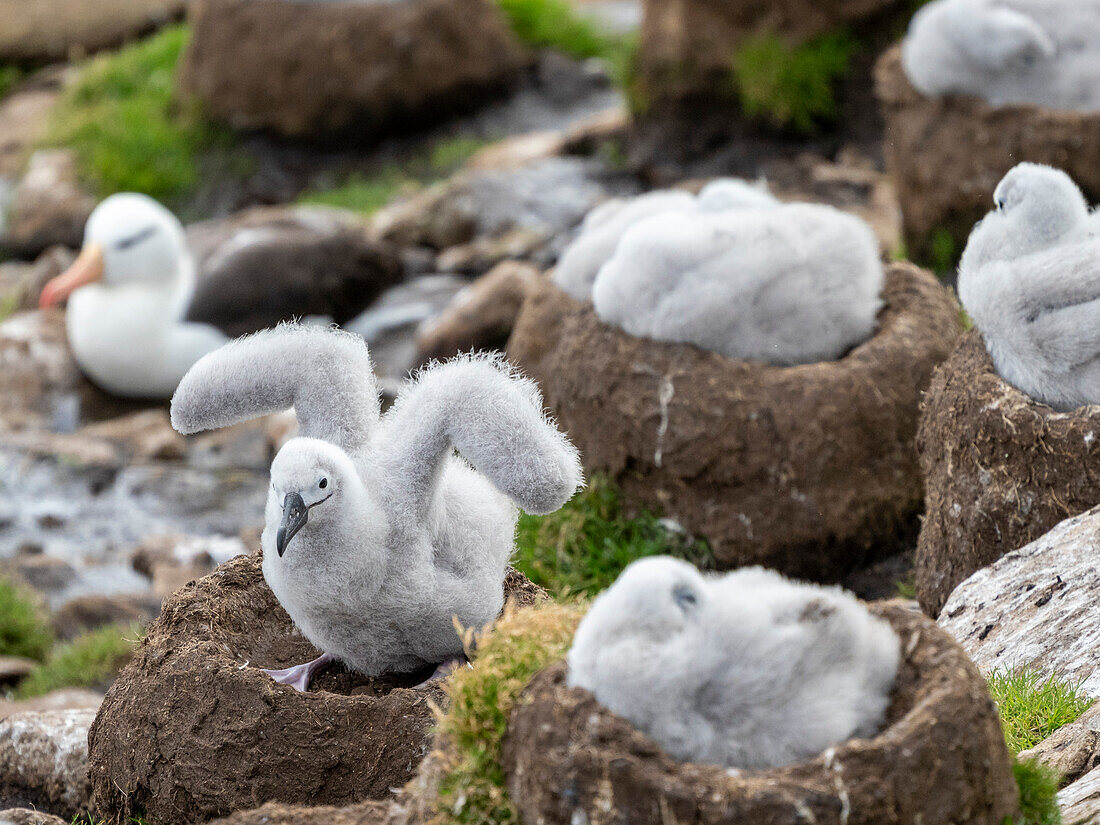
[{"x": 86, "y": 269}]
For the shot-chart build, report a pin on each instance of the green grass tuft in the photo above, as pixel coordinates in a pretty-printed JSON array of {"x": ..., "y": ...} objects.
[
  {"x": 369, "y": 193},
  {"x": 1033, "y": 706},
  {"x": 583, "y": 547},
  {"x": 359, "y": 193},
  {"x": 24, "y": 626},
  {"x": 945, "y": 255},
  {"x": 472, "y": 789},
  {"x": 9, "y": 77},
  {"x": 791, "y": 87},
  {"x": 91, "y": 660},
  {"x": 129, "y": 131},
  {"x": 556, "y": 24}
]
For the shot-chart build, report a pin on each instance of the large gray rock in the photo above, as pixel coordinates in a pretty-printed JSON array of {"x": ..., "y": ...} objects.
[
  {"x": 44, "y": 761},
  {"x": 50, "y": 30},
  {"x": 1080, "y": 802},
  {"x": 1037, "y": 607},
  {"x": 346, "y": 67}
]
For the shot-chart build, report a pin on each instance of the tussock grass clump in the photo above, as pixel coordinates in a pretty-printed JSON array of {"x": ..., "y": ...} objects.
[
  {"x": 1033, "y": 706},
  {"x": 791, "y": 87},
  {"x": 582, "y": 548},
  {"x": 91, "y": 660},
  {"x": 24, "y": 626},
  {"x": 129, "y": 131},
  {"x": 509, "y": 654}
]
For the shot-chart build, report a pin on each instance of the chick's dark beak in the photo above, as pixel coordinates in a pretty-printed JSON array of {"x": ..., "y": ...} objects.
[{"x": 295, "y": 515}]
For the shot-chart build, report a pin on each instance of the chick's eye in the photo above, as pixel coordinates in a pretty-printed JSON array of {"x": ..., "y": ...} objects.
[
  {"x": 1000, "y": 202},
  {"x": 323, "y": 483}
]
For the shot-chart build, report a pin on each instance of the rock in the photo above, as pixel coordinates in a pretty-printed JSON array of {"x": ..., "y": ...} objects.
[
  {"x": 1080, "y": 802},
  {"x": 518, "y": 151},
  {"x": 49, "y": 206},
  {"x": 44, "y": 761},
  {"x": 13, "y": 669},
  {"x": 25, "y": 113},
  {"x": 389, "y": 325},
  {"x": 1071, "y": 751},
  {"x": 272, "y": 264},
  {"x": 275, "y": 813},
  {"x": 550, "y": 196},
  {"x": 26, "y": 816},
  {"x": 21, "y": 283},
  {"x": 41, "y": 386},
  {"x": 57, "y": 30},
  {"x": 807, "y": 469},
  {"x": 1037, "y": 607},
  {"x": 57, "y": 700},
  {"x": 142, "y": 436},
  {"x": 941, "y": 759},
  {"x": 346, "y": 69},
  {"x": 944, "y": 190},
  {"x": 173, "y": 561},
  {"x": 193, "y": 729},
  {"x": 479, "y": 317},
  {"x": 1000, "y": 470},
  {"x": 482, "y": 254},
  {"x": 82, "y": 613},
  {"x": 46, "y": 574}
]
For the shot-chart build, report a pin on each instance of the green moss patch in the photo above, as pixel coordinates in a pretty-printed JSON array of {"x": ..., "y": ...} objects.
[
  {"x": 508, "y": 655},
  {"x": 129, "y": 130},
  {"x": 791, "y": 87},
  {"x": 24, "y": 625},
  {"x": 582, "y": 548},
  {"x": 91, "y": 660}
]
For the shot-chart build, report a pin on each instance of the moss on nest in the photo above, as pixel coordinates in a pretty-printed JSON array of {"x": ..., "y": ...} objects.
[{"x": 521, "y": 643}]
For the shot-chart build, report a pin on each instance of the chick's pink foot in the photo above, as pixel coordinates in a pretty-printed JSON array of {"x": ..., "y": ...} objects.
[{"x": 298, "y": 676}]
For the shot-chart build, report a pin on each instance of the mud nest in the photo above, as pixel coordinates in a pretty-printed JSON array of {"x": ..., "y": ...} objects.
[
  {"x": 193, "y": 729},
  {"x": 941, "y": 758},
  {"x": 1000, "y": 470},
  {"x": 947, "y": 155},
  {"x": 808, "y": 469}
]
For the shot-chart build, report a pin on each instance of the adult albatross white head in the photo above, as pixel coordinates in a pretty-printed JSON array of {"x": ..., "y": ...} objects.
[{"x": 127, "y": 294}]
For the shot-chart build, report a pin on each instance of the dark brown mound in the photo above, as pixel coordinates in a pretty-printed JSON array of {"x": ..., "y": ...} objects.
[
  {"x": 192, "y": 729},
  {"x": 274, "y": 813},
  {"x": 1000, "y": 470},
  {"x": 350, "y": 70},
  {"x": 941, "y": 759},
  {"x": 808, "y": 469},
  {"x": 947, "y": 155}
]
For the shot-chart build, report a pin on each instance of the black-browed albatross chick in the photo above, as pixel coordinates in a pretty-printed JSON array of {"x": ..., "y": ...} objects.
[{"x": 377, "y": 536}]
